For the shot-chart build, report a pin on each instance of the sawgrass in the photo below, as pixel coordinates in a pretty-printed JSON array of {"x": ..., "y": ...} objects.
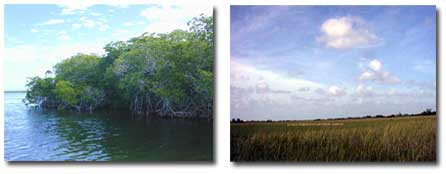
[{"x": 399, "y": 139}]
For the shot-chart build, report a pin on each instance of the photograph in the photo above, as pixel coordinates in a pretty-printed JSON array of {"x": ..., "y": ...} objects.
[
  {"x": 98, "y": 82},
  {"x": 340, "y": 84}
]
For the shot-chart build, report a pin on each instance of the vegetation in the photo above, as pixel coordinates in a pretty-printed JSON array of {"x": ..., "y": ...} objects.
[
  {"x": 153, "y": 74},
  {"x": 396, "y": 139},
  {"x": 427, "y": 112}
]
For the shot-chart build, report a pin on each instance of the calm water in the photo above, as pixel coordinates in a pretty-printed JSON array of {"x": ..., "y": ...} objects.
[{"x": 48, "y": 136}]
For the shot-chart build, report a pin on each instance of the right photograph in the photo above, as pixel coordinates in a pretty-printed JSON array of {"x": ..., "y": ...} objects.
[{"x": 333, "y": 84}]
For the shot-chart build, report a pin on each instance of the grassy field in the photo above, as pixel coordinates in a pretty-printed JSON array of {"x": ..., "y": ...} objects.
[{"x": 398, "y": 139}]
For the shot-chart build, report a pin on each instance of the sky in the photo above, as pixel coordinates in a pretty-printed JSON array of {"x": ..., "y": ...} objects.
[
  {"x": 308, "y": 62},
  {"x": 39, "y": 36}
]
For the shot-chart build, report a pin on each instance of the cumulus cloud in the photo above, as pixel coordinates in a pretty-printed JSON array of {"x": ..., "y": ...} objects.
[
  {"x": 33, "y": 30},
  {"x": 52, "y": 22},
  {"x": 375, "y": 73},
  {"x": 382, "y": 77},
  {"x": 332, "y": 91},
  {"x": 166, "y": 18},
  {"x": 367, "y": 94},
  {"x": 364, "y": 91},
  {"x": 375, "y": 65},
  {"x": 366, "y": 75},
  {"x": 335, "y": 91},
  {"x": 346, "y": 32}
]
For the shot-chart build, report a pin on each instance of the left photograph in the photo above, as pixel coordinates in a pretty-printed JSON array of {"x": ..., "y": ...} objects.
[{"x": 108, "y": 83}]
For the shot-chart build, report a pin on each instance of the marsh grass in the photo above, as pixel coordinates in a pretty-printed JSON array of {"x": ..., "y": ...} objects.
[{"x": 404, "y": 139}]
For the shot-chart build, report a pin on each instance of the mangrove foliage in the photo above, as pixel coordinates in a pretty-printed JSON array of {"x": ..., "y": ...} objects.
[{"x": 169, "y": 74}]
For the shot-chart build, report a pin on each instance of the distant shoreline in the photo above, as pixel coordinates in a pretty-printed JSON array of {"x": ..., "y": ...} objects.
[
  {"x": 423, "y": 114},
  {"x": 14, "y": 91}
]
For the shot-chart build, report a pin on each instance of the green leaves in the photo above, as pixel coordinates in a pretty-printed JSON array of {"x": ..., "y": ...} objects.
[
  {"x": 205, "y": 82},
  {"x": 39, "y": 90},
  {"x": 160, "y": 73},
  {"x": 80, "y": 69},
  {"x": 65, "y": 92}
]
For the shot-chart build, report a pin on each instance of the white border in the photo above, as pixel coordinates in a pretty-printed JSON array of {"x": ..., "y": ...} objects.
[{"x": 222, "y": 164}]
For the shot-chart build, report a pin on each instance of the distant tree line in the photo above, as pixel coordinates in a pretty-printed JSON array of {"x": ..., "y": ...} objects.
[
  {"x": 153, "y": 74},
  {"x": 426, "y": 112}
]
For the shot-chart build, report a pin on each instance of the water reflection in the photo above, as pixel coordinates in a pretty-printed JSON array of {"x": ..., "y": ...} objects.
[{"x": 51, "y": 136}]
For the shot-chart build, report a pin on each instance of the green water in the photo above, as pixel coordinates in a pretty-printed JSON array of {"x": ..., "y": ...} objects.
[{"x": 32, "y": 135}]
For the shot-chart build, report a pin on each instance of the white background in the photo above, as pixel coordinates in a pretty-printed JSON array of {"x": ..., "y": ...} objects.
[{"x": 221, "y": 143}]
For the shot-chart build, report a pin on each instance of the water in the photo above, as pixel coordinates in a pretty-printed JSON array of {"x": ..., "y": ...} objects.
[{"x": 32, "y": 135}]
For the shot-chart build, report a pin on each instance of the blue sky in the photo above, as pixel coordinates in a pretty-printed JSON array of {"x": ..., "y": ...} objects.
[
  {"x": 39, "y": 36},
  {"x": 306, "y": 62}
]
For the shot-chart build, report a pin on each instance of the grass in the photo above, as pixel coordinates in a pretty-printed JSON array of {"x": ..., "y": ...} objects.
[{"x": 399, "y": 139}]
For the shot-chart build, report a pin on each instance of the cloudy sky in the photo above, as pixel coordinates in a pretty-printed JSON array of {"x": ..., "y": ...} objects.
[
  {"x": 39, "y": 36},
  {"x": 306, "y": 62}
]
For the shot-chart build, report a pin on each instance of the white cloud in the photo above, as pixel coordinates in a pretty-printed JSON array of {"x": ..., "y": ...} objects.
[
  {"x": 346, "y": 32},
  {"x": 374, "y": 73},
  {"x": 386, "y": 77},
  {"x": 366, "y": 75},
  {"x": 96, "y": 14},
  {"x": 24, "y": 53},
  {"x": 375, "y": 65},
  {"x": 130, "y": 23},
  {"x": 120, "y": 33},
  {"x": 335, "y": 91},
  {"x": 102, "y": 26},
  {"x": 123, "y": 34},
  {"x": 267, "y": 86},
  {"x": 427, "y": 85},
  {"x": 332, "y": 91},
  {"x": 133, "y": 23},
  {"x": 37, "y": 59},
  {"x": 382, "y": 77},
  {"x": 86, "y": 22},
  {"x": 52, "y": 22},
  {"x": 70, "y": 9},
  {"x": 34, "y": 30},
  {"x": 120, "y": 5},
  {"x": 362, "y": 91},
  {"x": 244, "y": 75},
  {"x": 76, "y": 25},
  {"x": 304, "y": 89},
  {"x": 164, "y": 27},
  {"x": 63, "y": 35},
  {"x": 166, "y": 18}
]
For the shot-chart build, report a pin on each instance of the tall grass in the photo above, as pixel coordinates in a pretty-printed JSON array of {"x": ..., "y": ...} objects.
[{"x": 406, "y": 139}]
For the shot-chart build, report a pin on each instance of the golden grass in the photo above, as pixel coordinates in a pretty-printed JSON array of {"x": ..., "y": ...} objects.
[{"x": 403, "y": 139}]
